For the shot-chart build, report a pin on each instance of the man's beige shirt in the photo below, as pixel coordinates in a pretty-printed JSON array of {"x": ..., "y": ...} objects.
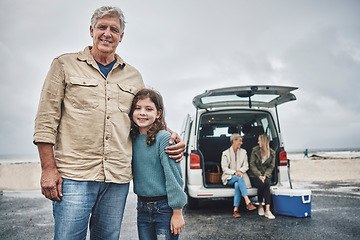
[{"x": 85, "y": 115}]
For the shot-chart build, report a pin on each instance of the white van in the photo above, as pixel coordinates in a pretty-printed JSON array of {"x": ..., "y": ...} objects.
[{"x": 247, "y": 110}]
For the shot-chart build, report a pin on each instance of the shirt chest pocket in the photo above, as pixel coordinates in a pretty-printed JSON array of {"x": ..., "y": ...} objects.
[
  {"x": 83, "y": 93},
  {"x": 125, "y": 96}
]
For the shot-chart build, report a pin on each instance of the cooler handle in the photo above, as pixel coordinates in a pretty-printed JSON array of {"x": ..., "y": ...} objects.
[{"x": 306, "y": 201}]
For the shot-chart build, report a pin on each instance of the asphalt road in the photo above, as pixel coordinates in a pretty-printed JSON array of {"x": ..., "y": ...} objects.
[{"x": 335, "y": 215}]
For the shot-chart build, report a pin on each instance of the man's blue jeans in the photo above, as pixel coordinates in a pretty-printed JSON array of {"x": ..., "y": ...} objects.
[
  {"x": 240, "y": 188},
  {"x": 153, "y": 220},
  {"x": 102, "y": 202}
]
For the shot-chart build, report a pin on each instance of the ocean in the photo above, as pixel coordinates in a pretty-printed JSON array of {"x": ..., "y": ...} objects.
[
  {"x": 324, "y": 154},
  {"x": 19, "y": 158}
]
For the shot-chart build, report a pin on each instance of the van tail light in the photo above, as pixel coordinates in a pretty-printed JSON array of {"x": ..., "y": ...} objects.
[
  {"x": 283, "y": 161},
  {"x": 194, "y": 161}
]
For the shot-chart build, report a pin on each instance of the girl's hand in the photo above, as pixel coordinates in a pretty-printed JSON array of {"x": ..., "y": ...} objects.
[{"x": 177, "y": 222}]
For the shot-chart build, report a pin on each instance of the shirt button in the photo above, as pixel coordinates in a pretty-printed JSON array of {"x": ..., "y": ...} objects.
[
  {"x": 108, "y": 117},
  {"x": 105, "y": 158},
  {"x": 108, "y": 98},
  {"x": 84, "y": 82},
  {"x": 106, "y": 138}
]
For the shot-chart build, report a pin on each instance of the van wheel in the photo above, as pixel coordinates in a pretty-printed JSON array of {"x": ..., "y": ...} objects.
[{"x": 192, "y": 203}]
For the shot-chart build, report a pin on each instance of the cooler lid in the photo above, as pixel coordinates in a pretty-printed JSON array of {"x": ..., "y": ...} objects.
[{"x": 291, "y": 192}]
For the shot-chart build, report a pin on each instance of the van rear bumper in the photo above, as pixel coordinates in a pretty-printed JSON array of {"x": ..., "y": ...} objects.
[{"x": 199, "y": 191}]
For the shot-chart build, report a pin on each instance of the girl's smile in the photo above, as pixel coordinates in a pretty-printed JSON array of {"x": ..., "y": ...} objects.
[{"x": 145, "y": 114}]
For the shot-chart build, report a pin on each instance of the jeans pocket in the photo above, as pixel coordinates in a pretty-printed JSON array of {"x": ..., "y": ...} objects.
[{"x": 164, "y": 209}]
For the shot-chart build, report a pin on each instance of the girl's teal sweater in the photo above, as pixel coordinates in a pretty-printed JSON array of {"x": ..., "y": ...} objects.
[{"x": 155, "y": 174}]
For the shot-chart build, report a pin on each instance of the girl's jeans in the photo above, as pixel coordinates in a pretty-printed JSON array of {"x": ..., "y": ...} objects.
[
  {"x": 240, "y": 188},
  {"x": 102, "y": 202},
  {"x": 153, "y": 220}
]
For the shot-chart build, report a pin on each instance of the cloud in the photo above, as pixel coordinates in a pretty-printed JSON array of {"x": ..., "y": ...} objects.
[{"x": 183, "y": 48}]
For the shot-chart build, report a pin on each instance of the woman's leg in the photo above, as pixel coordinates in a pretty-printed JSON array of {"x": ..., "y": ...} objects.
[
  {"x": 266, "y": 191},
  {"x": 242, "y": 186},
  {"x": 243, "y": 191},
  {"x": 237, "y": 195},
  {"x": 256, "y": 182},
  {"x": 267, "y": 197},
  {"x": 267, "y": 207}
]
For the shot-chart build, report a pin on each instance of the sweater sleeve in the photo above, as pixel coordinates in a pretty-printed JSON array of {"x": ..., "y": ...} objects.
[{"x": 173, "y": 176}]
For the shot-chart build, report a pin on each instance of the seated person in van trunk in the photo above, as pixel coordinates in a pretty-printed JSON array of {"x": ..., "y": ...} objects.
[
  {"x": 234, "y": 163},
  {"x": 262, "y": 163}
]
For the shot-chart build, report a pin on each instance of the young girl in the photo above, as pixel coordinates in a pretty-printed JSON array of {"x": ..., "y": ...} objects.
[{"x": 157, "y": 178}]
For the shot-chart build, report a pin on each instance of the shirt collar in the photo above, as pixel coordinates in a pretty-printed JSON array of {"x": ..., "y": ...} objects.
[{"x": 86, "y": 56}]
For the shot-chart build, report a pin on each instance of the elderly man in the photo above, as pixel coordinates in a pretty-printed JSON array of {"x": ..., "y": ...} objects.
[{"x": 82, "y": 133}]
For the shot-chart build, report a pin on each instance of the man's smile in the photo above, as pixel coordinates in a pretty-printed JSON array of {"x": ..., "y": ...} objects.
[{"x": 105, "y": 41}]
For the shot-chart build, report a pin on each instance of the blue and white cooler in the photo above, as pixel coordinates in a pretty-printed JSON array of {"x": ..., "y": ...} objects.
[{"x": 292, "y": 202}]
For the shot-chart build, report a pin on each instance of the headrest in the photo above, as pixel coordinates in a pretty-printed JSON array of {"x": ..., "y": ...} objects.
[
  {"x": 246, "y": 129},
  {"x": 206, "y": 131},
  {"x": 233, "y": 130},
  {"x": 257, "y": 130}
]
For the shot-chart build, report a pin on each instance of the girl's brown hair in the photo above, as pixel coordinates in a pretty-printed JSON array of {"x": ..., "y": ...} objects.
[{"x": 159, "y": 123}]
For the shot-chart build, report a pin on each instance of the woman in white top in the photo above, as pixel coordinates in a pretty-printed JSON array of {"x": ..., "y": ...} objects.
[{"x": 234, "y": 163}]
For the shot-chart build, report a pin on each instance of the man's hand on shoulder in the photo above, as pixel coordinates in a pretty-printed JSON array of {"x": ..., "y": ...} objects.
[{"x": 176, "y": 151}]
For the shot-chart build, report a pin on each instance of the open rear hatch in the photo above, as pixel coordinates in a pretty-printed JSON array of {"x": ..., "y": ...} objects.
[{"x": 252, "y": 96}]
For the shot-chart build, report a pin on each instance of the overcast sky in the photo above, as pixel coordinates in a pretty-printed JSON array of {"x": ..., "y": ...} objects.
[{"x": 183, "y": 48}]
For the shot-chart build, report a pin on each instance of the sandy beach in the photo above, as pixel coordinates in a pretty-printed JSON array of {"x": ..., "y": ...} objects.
[
  {"x": 325, "y": 170},
  {"x": 26, "y": 176},
  {"x": 20, "y": 176}
]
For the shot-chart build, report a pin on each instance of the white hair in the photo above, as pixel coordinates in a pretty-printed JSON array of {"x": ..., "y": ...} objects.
[
  {"x": 235, "y": 136},
  {"x": 108, "y": 11}
]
